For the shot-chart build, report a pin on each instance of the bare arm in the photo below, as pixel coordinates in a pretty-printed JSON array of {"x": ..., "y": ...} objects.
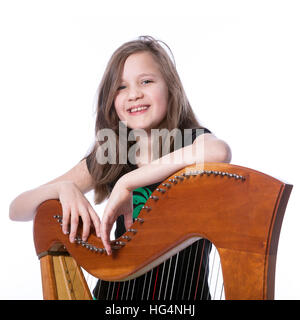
[
  {"x": 208, "y": 149},
  {"x": 69, "y": 189}
]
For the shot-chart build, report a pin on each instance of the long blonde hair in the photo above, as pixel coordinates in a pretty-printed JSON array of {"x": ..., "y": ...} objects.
[{"x": 179, "y": 112}]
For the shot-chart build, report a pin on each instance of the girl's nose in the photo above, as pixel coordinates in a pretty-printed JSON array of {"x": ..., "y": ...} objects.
[{"x": 134, "y": 93}]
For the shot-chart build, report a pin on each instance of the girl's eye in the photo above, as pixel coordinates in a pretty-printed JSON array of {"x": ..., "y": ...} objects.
[
  {"x": 148, "y": 81},
  {"x": 122, "y": 87}
]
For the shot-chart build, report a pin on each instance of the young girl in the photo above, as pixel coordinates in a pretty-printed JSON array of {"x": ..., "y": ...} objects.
[{"x": 142, "y": 89}]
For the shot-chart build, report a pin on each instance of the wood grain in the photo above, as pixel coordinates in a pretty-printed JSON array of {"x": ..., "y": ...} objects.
[{"x": 241, "y": 217}]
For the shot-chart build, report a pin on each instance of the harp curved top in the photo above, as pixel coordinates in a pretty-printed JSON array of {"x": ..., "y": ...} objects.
[{"x": 239, "y": 209}]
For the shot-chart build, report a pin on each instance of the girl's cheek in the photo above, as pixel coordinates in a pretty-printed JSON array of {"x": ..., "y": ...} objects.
[{"x": 118, "y": 103}]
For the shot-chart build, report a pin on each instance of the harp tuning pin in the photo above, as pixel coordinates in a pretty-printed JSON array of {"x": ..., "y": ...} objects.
[
  {"x": 126, "y": 238},
  {"x": 120, "y": 243},
  {"x": 166, "y": 185},
  {"x": 146, "y": 207},
  {"x": 183, "y": 174},
  {"x": 58, "y": 217},
  {"x": 140, "y": 220},
  {"x": 154, "y": 197},
  {"x": 179, "y": 177},
  {"x": 161, "y": 190},
  {"x": 132, "y": 230}
]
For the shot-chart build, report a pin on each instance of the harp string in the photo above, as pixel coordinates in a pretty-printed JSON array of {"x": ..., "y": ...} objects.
[
  {"x": 193, "y": 271},
  {"x": 133, "y": 289},
  {"x": 216, "y": 277},
  {"x": 182, "y": 255},
  {"x": 108, "y": 289},
  {"x": 221, "y": 294},
  {"x": 123, "y": 290},
  {"x": 151, "y": 273},
  {"x": 174, "y": 274},
  {"x": 166, "y": 287},
  {"x": 205, "y": 275},
  {"x": 199, "y": 270},
  {"x": 154, "y": 288},
  {"x": 217, "y": 280},
  {"x": 145, "y": 278},
  {"x": 196, "y": 277},
  {"x": 185, "y": 281},
  {"x": 128, "y": 287},
  {"x": 161, "y": 281},
  {"x": 210, "y": 278}
]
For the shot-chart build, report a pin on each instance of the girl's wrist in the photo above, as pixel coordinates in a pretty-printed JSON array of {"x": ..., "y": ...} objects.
[
  {"x": 61, "y": 185},
  {"x": 123, "y": 182}
]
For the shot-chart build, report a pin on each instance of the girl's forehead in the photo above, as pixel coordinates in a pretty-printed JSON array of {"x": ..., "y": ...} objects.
[
  {"x": 140, "y": 57},
  {"x": 140, "y": 64}
]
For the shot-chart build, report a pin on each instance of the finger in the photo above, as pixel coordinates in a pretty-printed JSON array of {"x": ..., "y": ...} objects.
[
  {"x": 106, "y": 242},
  {"x": 96, "y": 220},
  {"x": 66, "y": 218},
  {"x": 128, "y": 221},
  {"x": 86, "y": 225},
  {"x": 74, "y": 224},
  {"x": 105, "y": 236}
]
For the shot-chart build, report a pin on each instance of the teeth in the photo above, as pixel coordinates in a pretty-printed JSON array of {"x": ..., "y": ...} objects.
[{"x": 138, "y": 109}]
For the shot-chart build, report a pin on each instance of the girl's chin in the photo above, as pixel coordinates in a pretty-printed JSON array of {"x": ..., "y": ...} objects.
[
  {"x": 147, "y": 130},
  {"x": 139, "y": 126}
]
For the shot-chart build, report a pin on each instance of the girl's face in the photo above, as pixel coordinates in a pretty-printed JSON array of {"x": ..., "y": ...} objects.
[{"x": 142, "y": 96}]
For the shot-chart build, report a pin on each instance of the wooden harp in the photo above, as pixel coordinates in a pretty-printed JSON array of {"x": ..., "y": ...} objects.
[{"x": 238, "y": 209}]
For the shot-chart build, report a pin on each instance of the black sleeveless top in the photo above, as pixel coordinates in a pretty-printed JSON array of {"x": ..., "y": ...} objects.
[{"x": 184, "y": 276}]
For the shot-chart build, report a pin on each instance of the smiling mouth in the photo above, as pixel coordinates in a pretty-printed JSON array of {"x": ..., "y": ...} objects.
[{"x": 139, "y": 110}]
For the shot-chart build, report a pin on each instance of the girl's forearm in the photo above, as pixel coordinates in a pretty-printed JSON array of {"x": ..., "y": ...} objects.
[
  {"x": 159, "y": 169},
  {"x": 23, "y": 207},
  {"x": 215, "y": 151}
]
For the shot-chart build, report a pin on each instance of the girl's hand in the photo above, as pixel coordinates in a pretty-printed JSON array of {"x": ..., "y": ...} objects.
[
  {"x": 75, "y": 205},
  {"x": 120, "y": 202}
]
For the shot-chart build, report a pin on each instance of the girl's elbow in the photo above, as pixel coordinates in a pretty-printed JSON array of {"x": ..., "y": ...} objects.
[
  {"x": 12, "y": 215},
  {"x": 226, "y": 153},
  {"x": 221, "y": 152},
  {"x": 13, "y": 211}
]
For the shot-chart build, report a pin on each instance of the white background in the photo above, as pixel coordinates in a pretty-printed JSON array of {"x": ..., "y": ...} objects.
[{"x": 239, "y": 64}]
